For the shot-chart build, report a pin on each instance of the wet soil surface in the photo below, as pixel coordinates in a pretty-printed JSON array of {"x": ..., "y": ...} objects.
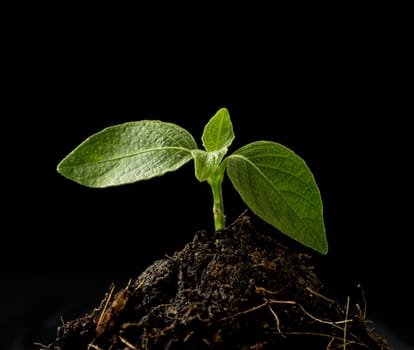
[{"x": 232, "y": 289}]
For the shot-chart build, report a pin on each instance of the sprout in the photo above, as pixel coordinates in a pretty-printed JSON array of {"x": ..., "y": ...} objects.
[{"x": 273, "y": 181}]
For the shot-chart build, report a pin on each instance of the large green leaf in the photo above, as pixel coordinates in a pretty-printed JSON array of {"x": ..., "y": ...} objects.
[
  {"x": 277, "y": 185},
  {"x": 218, "y": 132},
  {"x": 127, "y": 153}
]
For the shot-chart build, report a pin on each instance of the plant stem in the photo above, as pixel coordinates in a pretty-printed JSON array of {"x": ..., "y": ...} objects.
[{"x": 216, "y": 184}]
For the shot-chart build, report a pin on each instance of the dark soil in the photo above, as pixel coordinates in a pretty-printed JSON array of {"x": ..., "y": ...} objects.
[{"x": 234, "y": 289}]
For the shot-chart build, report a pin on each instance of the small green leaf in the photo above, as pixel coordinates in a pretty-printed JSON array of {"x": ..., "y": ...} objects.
[
  {"x": 218, "y": 132},
  {"x": 277, "y": 185},
  {"x": 206, "y": 163},
  {"x": 127, "y": 153}
]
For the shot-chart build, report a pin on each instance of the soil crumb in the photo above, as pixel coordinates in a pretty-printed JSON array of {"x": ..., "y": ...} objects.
[{"x": 233, "y": 289}]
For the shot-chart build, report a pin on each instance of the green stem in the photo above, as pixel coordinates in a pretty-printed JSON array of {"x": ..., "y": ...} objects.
[{"x": 216, "y": 184}]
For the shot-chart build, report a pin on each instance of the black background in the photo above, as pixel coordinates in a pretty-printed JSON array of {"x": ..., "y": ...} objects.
[{"x": 324, "y": 81}]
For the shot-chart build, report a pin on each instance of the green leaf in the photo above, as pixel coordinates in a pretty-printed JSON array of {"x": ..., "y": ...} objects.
[
  {"x": 127, "y": 153},
  {"x": 206, "y": 163},
  {"x": 218, "y": 132},
  {"x": 277, "y": 185}
]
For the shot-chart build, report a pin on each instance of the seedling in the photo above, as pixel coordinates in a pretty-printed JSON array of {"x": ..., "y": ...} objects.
[{"x": 273, "y": 181}]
